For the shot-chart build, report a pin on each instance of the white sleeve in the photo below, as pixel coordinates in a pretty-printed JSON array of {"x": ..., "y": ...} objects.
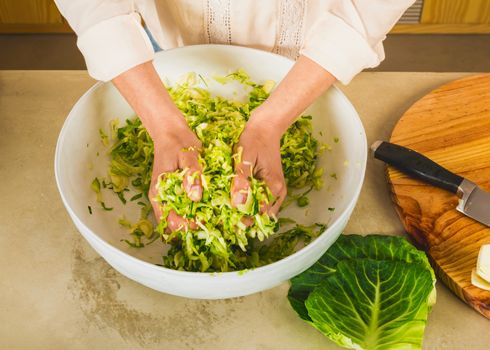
[
  {"x": 347, "y": 37},
  {"x": 110, "y": 35}
]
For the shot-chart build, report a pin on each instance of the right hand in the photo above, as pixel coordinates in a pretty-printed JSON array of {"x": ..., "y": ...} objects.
[{"x": 176, "y": 148}]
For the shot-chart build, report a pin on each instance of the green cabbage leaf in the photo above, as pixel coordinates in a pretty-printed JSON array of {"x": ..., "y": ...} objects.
[{"x": 372, "y": 292}]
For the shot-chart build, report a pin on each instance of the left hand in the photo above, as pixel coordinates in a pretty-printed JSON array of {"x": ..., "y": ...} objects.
[
  {"x": 261, "y": 155},
  {"x": 260, "y": 140}
]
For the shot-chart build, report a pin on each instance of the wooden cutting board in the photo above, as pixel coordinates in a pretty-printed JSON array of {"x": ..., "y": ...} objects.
[{"x": 450, "y": 125}]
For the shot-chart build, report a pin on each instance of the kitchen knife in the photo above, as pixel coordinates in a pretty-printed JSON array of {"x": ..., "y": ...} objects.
[{"x": 473, "y": 201}]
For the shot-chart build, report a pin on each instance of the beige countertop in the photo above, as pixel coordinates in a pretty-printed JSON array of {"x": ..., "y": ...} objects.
[{"x": 57, "y": 293}]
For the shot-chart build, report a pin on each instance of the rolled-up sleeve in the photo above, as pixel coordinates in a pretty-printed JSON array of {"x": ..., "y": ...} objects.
[
  {"x": 110, "y": 35},
  {"x": 346, "y": 37}
]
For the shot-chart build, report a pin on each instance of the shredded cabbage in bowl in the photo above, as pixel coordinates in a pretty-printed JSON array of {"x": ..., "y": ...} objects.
[{"x": 222, "y": 241}]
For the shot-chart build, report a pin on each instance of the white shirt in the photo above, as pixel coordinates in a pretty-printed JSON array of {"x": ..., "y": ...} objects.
[{"x": 343, "y": 36}]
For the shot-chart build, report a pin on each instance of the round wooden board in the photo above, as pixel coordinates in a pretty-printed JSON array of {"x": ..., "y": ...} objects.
[{"x": 450, "y": 125}]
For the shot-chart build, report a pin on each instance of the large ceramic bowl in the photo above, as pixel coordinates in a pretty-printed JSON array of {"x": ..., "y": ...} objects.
[{"x": 80, "y": 157}]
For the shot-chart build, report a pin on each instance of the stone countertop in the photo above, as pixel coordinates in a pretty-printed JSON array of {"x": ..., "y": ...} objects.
[{"x": 57, "y": 293}]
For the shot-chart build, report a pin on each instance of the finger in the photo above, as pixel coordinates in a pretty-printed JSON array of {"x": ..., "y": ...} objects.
[
  {"x": 161, "y": 166},
  {"x": 192, "y": 177},
  {"x": 176, "y": 222},
  {"x": 274, "y": 210},
  {"x": 248, "y": 220},
  {"x": 277, "y": 186},
  {"x": 239, "y": 189},
  {"x": 243, "y": 162},
  {"x": 153, "y": 193},
  {"x": 240, "y": 184}
]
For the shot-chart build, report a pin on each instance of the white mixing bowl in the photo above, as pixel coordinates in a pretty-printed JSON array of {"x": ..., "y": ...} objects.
[{"x": 80, "y": 157}]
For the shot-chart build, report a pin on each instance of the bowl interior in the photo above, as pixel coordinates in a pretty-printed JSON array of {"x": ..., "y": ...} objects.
[{"x": 81, "y": 155}]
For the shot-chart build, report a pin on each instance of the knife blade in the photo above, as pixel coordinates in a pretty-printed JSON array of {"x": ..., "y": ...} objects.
[{"x": 473, "y": 201}]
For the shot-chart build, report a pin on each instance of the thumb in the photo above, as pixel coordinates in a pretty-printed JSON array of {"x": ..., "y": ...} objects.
[
  {"x": 192, "y": 177},
  {"x": 239, "y": 189},
  {"x": 240, "y": 184}
]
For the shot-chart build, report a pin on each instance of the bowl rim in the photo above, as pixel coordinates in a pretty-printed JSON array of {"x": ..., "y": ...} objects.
[{"x": 200, "y": 275}]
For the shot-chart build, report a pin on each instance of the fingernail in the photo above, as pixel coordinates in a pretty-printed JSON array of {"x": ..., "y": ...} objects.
[
  {"x": 193, "y": 225},
  {"x": 194, "y": 193},
  {"x": 239, "y": 198},
  {"x": 247, "y": 221},
  {"x": 265, "y": 208}
]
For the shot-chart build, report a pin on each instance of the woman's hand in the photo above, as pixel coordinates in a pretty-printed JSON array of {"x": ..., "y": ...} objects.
[
  {"x": 260, "y": 140},
  {"x": 176, "y": 148},
  {"x": 260, "y": 147}
]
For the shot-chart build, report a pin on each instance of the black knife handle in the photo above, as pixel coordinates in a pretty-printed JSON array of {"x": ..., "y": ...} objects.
[{"x": 416, "y": 165}]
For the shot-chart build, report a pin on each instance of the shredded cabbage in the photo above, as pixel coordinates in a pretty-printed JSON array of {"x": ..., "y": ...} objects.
[{"x": 222, "y": 240}]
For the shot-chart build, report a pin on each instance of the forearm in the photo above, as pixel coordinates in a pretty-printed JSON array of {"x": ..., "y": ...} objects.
[
  {"x": 142, "y": 88},
  {"x": 302, "y": 85}
]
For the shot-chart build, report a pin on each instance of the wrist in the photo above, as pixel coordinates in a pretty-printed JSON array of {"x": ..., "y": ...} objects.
[
  {"x": 164, "y": 124},
  {"x": 272, "y": 124}
]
